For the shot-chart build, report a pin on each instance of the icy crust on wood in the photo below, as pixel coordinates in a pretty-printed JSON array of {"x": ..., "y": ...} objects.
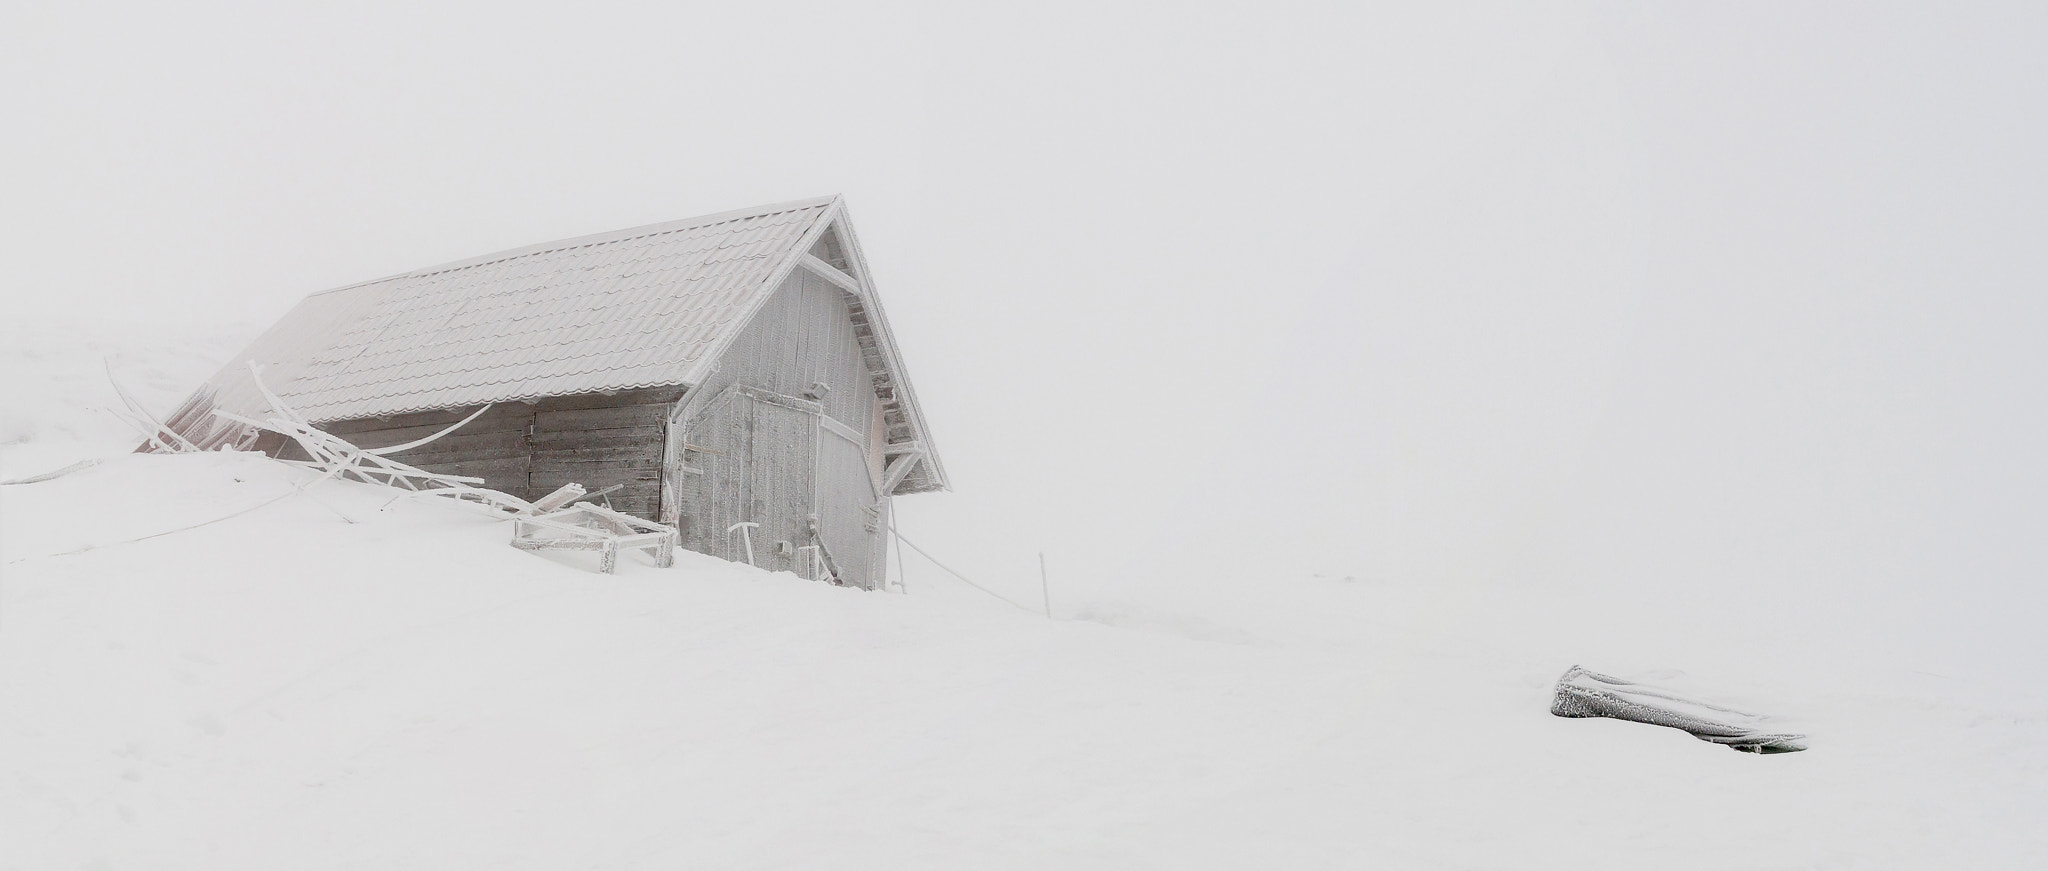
[
  {"x": 645, "y": 307},
  {"x": 335, "y": 457},
  {"x": 1582, "y": 693},
  {"x": 530, "y": 450},
  {"x": 577, "y": 318},
  {"x": 593, "y": 527},
  {"x": 548, "y": 523},
  {"x": 786, "y": 435},
  {"x": 631, "y": 308},
  {"x": 194, "y": 423}
]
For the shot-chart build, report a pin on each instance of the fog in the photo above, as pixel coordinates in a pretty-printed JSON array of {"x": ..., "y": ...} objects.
[{"x": 1734, "y": 306}]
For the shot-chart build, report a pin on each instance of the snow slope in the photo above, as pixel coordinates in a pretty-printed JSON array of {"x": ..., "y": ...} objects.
[
  {"x": 332, "y": 681},
  {"x": 55, "y": 390}
]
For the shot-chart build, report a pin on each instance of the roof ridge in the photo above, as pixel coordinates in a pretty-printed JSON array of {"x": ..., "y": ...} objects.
[{"x": 607, "y": 237}]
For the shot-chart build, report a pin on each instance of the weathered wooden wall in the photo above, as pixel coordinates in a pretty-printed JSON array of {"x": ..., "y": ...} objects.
[
  {"x": 786, "y": 432},
  {"x": 529, "y": 449},
  {"x": 849, "y": 498},
  {"x": 760, "y": 442},
  {"x": 597, "y": 441},
  {"x": 492, "y": 447}
]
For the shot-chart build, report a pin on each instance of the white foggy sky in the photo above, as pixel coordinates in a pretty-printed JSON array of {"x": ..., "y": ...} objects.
[{"x": 1729, "y": 301}]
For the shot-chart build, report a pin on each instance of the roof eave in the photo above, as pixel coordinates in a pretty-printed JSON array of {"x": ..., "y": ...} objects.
[
  {"x": 701, "y": 369},
  {"x": 892, "y": 354}
]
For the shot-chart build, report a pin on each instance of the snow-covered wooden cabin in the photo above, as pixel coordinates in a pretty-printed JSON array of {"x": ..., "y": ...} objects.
[{"x": 734, "y": 368}]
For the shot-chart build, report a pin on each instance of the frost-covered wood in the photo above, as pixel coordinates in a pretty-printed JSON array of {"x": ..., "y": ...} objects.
[
  {"x": 730, "y": 372},
  {"x": 335, "y": 457},
  {"x": 1582, "y": 693},
  {"x": 782, "y": 437},
  {"x": 593, "y": 527},
  {"x": 532, "y": 449}
]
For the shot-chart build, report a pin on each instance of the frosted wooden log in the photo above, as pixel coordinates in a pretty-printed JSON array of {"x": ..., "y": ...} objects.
[
  {"x": 1582, "y": 693},
  {"x": 593, "y": 527}
]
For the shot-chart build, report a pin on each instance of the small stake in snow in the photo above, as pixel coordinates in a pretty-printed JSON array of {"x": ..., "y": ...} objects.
[
  {"x": 1044, "y": 586},
  {"x": 963, "y": 578},
  {"x": 902, "y": 580}
]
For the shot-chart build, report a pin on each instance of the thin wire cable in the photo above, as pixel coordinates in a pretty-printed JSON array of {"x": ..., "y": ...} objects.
[
  {"x": 297, "y": 490},
  {"x": 79, "y": 466},
  {"x": 963, "y": 578},
  {"x": 93, "y": 547}
]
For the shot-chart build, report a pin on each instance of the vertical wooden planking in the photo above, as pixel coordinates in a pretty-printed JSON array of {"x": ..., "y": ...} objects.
[
  {"x": 719, "y": 420},
  {"x": 848, "y": 505},
  {"x": 714, "y": 496},
  {"x": 599, "y": 440},
  {"x": 783, "y": 444},
  {"x": 770, "y": 461},
  {"x": 492, "y": 447},
  {"x": 529, "y": 449},
  {"x": 849, "y": 514}
]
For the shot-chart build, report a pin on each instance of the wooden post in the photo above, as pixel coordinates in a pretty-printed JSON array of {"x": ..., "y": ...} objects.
[
  {"x": 1044, "y": 586},
  {"x": 901, "y": 585}
]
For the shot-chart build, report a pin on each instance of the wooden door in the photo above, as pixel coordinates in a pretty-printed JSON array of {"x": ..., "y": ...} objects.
[
  {"x": 781, "y": 451},
  {"x": 753, "y": 456},
  {"x": 848, "y": 507},
  {"x": 707, "y": 479}
]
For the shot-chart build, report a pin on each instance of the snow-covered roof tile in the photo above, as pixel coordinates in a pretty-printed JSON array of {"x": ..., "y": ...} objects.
[{"x": 630, "y": 308}]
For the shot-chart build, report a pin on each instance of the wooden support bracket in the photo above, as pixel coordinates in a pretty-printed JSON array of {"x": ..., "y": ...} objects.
[{"x": 899, "y": 469}]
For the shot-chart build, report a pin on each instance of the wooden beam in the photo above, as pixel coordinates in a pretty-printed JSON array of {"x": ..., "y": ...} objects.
[
  {"x": 840, "y": 429},
  {"x": 773, "y": 398},
  {"x": 429, "y": 439},
  {"x": 832, "y": 274},
  {"x": 899, "y": 469}
]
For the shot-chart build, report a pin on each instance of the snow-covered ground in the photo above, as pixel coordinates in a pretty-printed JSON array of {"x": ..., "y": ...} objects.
[
  {"x": 332, "y": 681},
  {"x": 57, "y": 399}
]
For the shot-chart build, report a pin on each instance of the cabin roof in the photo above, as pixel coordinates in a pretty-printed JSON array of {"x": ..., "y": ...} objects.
[{"x": 641, "y": 307}]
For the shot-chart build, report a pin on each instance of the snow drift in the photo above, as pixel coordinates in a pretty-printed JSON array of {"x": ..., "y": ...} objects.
[{"x": 322, "y": 682}]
